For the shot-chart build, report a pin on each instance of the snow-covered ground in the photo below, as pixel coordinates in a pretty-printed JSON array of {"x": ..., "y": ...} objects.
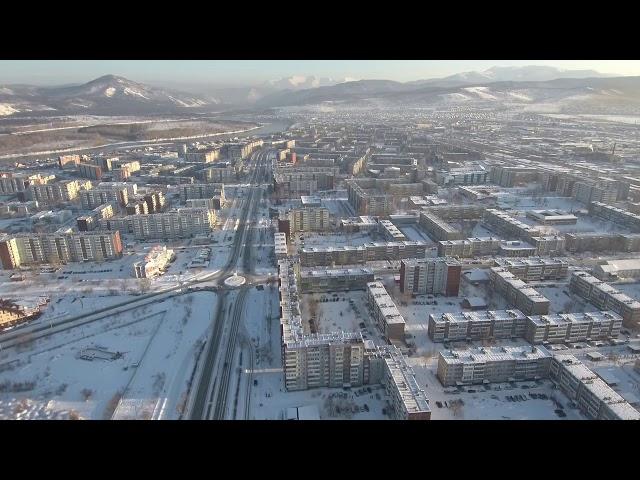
[{"x": 158, "y": 344}]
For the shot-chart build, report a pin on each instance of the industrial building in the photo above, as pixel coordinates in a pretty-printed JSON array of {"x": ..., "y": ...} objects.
[
  {"x": 615, "y": 269},
  {"x": 552, "y": 217},
  {"x": 439, "y": 275}
]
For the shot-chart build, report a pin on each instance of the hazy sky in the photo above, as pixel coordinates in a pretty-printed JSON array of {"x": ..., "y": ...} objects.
[{"x": 253, "y": 72}]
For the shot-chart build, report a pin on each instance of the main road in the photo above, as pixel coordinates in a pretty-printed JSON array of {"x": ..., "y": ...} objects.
[{"x": 208, "y": 398}]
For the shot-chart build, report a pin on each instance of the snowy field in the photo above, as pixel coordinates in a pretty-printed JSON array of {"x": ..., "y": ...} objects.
[{"x": 155, "y": 349}]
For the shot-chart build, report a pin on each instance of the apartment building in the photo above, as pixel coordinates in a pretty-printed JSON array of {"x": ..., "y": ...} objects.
[
  {"x": 314, "y": 360},
  {"x": 374, "y": 251},
  {"x": 605, "y": 297},
  {"x": 510, "y": 176},
  {"x": 195, "y": 191},
  {"x": 593, "y": 396},
  {"x": 53, "y": 193},
  {"x": 548, "y": 244},
  {"x": 516, "y": 248},
  {"x": 203, "y": 155},
  {"x": 591, "y": 242},
  {"x": 90, "y": 199},
  {"x": 221, "y": 173},
  {"x": 139, "y": 207},
  {"x": 280, "y": 244},
  {"x": 132, "y": 188},
  {"x": 573, "y": 327},
  {"x": 467, "y": 175},
  {"x": 154, "y": 263},
  {"x": 615, "y": 214},
  {"x": 335, "y": 279},
  {"x": 437, "y": 228},
  {"x": 385, "y": 312},
  {"x": 518, "y": 293},
  {"x": 505, "y": 224},
  {"x": 408, "y": 399},
  {"x": 92, "y": 172},
  {"x": 11, "y": 183},
  {"x": 469, "y": 248},
  {"x": 587, "y": 192},
  {"x": 308, "y": 219},
  {"x": 390, "y": 231},
  {"x": 358, "y": 224},
  {"x": 430, "y": 276},
  {"x": 478, "y": 325},
  {"x": 180, "y": 223},
  {"x": 535, "y": 268},
  {"x": 457, "y": 212},
  {"x": 368, "y": 200},
  {"x": 67, "y": 161},
  {"x": 493, "y": 365},
  {"x": 62, "y": 246}
]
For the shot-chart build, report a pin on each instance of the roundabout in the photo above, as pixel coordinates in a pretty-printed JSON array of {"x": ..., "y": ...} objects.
[{"x": 235, "y": 281}]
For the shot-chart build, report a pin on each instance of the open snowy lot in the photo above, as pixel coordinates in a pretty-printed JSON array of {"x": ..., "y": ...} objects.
[{"x": 145, "y": 358}]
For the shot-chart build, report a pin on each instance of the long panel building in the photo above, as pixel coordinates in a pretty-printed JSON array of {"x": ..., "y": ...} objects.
[
  {"x": 493, "y": 365},
  {"x": 60, "y": 247},
  {"x": 593, "y": 396},
  {"x": 349, "y": 255},
  {"x": 573, "y": 327},
  {"x": 479, "y": 325},
  {"x": 385, "y": 311},
  {"x": 180, "y": 223},
  {"x": 518, "y": 293},
  {"x": 605, "y": 297}
]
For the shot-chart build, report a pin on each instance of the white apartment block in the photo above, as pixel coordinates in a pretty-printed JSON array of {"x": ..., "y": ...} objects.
[
  {"x": 593, "y": 396},
  {"x": 385, "y": 312},
  {"x": 280, "y": 244},
  {"x": 308, "y": 219},
  {"x": 90, "y": 199},
  {"x": 573, "y": 327},
  {"x": 479, "y": 325},
  {"x": 605, "y": 297},
  {"x": 535, "y": 268},
  {"x": 493, "y": 365},
  {"x": 181, "y": 223},
  {"x": 59, "y": 247}
]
